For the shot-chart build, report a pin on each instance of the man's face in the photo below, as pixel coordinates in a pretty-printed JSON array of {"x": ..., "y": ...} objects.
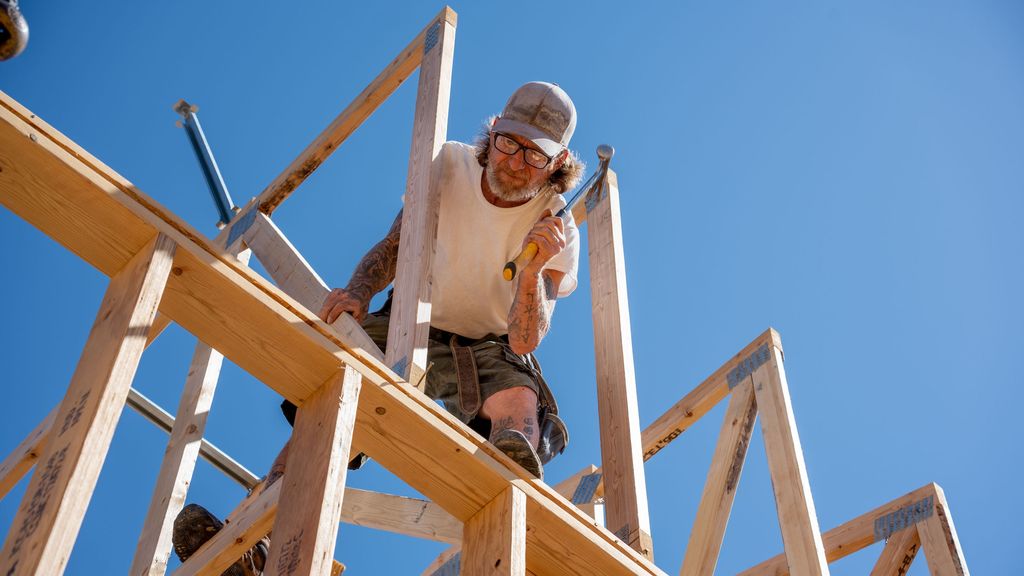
[{"x": 509, "y": 176}]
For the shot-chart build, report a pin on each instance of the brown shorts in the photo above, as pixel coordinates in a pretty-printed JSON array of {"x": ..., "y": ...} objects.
[{"x": 498, "y": 367}]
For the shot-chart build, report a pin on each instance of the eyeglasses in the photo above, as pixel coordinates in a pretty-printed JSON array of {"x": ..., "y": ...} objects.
[{"x": 532, "y": 156}]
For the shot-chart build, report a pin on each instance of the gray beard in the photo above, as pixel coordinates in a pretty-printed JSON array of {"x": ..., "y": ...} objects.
[{"x": 508, "y": 194}]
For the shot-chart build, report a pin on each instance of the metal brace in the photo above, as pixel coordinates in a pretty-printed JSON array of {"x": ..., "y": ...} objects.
[{"x": 748, "y": 365}]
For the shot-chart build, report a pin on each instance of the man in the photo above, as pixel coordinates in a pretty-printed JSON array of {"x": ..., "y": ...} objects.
[{"x": 496, "y": 198}]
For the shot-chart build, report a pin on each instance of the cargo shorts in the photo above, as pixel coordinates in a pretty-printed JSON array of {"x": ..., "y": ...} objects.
[{"x": 498, "y": 368}]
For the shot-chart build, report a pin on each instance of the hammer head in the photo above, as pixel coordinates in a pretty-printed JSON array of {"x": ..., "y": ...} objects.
[{"x": 605, "y": 152}]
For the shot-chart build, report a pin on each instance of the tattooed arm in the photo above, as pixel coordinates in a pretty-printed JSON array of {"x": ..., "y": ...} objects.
[
  {"x": 530, "y": 316},
  {"x": 373, "y": 273},
  {"x": 536, "y": 290}
]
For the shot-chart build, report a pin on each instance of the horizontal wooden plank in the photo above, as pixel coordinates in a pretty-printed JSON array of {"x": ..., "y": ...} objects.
[{"x": 401, "y": 515}]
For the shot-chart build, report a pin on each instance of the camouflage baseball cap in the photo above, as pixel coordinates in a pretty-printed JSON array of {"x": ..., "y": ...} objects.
[{"x": 542, "y": 112}]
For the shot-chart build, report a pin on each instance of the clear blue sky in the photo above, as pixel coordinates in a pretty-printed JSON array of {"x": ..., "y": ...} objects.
[{"x": 848, "y": 173}]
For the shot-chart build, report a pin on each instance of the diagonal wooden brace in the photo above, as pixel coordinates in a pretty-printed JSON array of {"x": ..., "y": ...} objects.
[
  {"x": 720, "y": 488},
  {"x": 898, "y": 554}
]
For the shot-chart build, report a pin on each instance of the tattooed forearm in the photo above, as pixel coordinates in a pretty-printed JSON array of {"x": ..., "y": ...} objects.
[
  {"x": 530, "y": 317},
  {"x": 377, "y": 268}
]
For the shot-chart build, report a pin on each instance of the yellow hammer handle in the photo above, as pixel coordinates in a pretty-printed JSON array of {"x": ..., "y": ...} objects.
[{"x": 524, "y": 258}]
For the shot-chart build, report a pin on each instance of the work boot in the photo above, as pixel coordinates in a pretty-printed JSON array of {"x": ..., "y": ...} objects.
[
  {"x": 195, "y": 525},
  {"x": 517, "y": 447}
]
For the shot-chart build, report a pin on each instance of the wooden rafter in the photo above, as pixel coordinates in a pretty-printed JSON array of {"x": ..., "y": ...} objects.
[
  {"x": 908, "y": 512},
  {"x": 350, "y": 118},
  {"x": 720, "y": 487}
]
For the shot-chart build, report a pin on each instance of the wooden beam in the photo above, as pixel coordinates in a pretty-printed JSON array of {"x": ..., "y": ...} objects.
[
  {"x": 69, "y": 195},
  {"x": 314, "y": 484},
  {"x": 103, "y": 218},
  {"x": 898, "y": 554},
  {"x": 447, "y": 563},
  {"x": 401, "y": 515},
  {"x": 235, "y": 250},
  {"x": 249, "y": 522},
  {"x": 494, "y": 542},
  {"x": 25, "y": 455},
  {"x": 410, "y": 309},
  {"x": 625, "y": 487},
  {"x": 853, "y": 535},
  {"x": 47, "y": 522},
  {"x": 154, "y": 546},
  {"x": 801, "y": 536},
  {"x": 207, "y": 450},
  {"x": 701, "y": 399},
  {"x": 720, "y": 487},
  {"x": 179, "y": 462},
  {"x": 939, "y": 540},
  {"x": 350, "y": 118},
  {"x": 290, "y": 271}
]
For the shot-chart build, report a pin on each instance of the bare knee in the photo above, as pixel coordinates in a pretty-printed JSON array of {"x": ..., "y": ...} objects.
[{"x": 513, "y": 408}]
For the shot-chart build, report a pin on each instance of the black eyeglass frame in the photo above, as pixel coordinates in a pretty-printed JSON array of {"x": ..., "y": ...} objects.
[{"x": 494, "y": 142}]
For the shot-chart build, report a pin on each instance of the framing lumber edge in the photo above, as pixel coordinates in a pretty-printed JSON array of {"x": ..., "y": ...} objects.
[
  {"x": 409, "y": 326},
  {"x": 798, "y": 520},
  {"x": 624, "y": 478},
  {"x": 69, "y": 195}
]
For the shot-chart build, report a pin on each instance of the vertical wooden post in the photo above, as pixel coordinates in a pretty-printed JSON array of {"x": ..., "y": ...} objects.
[
  {"x": 898, "y": 554},
  {"x": 625, "y": 488},
  {"x": 312, "y": 489},
  {"x": 939, "y": 540},
  {"x": 494, "y": 540},
  {"x": 801, "y": 536},
  {"x": 154, "y": 546},
  {"x": 45, "y": 526},
  {"x": 410, "y": 310},
  {"x": 720, "y": 487}
]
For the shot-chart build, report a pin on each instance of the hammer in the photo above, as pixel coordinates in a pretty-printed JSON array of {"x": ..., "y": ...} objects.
[{"x": 596, "y": 180}]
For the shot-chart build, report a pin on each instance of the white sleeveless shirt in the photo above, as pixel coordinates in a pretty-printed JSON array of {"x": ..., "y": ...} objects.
[{"x": 474, "y": 241}]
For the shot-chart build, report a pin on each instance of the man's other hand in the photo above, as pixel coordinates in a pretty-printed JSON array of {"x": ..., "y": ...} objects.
[
  {"x": 549, "y": 236},
  {"x": 341, "y": 300}
]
